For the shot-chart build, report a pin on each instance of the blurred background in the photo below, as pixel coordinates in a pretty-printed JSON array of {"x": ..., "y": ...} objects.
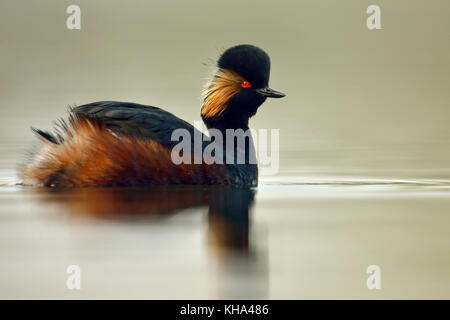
[
  {"x": 364, "y": 148},
  {"x": 358, "y": 101}
]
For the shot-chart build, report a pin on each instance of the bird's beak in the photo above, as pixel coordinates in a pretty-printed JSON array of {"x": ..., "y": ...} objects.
[{"x": 270, "y": 93}]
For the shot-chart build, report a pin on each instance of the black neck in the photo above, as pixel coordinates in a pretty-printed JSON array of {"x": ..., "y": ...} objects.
[
  {"x": 246, "y": 173},
  {"x": 224, "y": 124}
]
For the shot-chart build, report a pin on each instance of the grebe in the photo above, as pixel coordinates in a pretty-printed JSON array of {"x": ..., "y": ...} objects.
[{"x": 111, "y": 143}]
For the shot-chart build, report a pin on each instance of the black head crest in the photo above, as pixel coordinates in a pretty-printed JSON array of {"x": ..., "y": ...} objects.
[{"x": 249, "y": 61}]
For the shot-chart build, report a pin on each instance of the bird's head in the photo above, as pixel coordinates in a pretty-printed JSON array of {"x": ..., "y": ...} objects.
[{"x": 238, "y": 88}]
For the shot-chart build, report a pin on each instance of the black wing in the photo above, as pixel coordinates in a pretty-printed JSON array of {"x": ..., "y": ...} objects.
[{"x": 136, "y": 120}]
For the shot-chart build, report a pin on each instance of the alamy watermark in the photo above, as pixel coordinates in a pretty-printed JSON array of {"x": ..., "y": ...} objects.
[
  {"x": 373, "y": 21},
  {"x": 73, "y": 21},
  {"x": 73, "y": 281},
  {"x": 234, "y": 146},
  {"x": 374, "y": 280}
]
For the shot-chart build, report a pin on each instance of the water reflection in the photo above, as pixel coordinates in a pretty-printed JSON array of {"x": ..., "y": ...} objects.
[
  {"x": 228, "y": 214},
  {"x": 228, "y": 218},
  {"x": 236, "y": 263}
]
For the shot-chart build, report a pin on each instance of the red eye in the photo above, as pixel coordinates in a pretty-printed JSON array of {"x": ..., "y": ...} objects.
[{"x": 245, "y": 84}]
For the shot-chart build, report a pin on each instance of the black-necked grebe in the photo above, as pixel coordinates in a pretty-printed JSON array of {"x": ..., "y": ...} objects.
[{"x": 112, "y": 143}]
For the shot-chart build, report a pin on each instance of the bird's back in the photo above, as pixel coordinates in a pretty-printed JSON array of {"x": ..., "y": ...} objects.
[{"x": 112, "y": 143}]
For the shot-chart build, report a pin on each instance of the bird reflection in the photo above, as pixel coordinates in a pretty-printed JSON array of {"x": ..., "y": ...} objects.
[
  {"x": 228, "y": 207},
  {"x": 228, "y": 225},
  {"x": 228, "y": 218}
]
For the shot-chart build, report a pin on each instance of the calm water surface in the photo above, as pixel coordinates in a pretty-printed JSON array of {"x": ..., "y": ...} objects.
[{"x": 286, "y": 239}]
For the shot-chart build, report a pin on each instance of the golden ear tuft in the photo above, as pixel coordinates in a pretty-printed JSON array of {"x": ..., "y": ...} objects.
[{"x": 226, "y": 84}]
